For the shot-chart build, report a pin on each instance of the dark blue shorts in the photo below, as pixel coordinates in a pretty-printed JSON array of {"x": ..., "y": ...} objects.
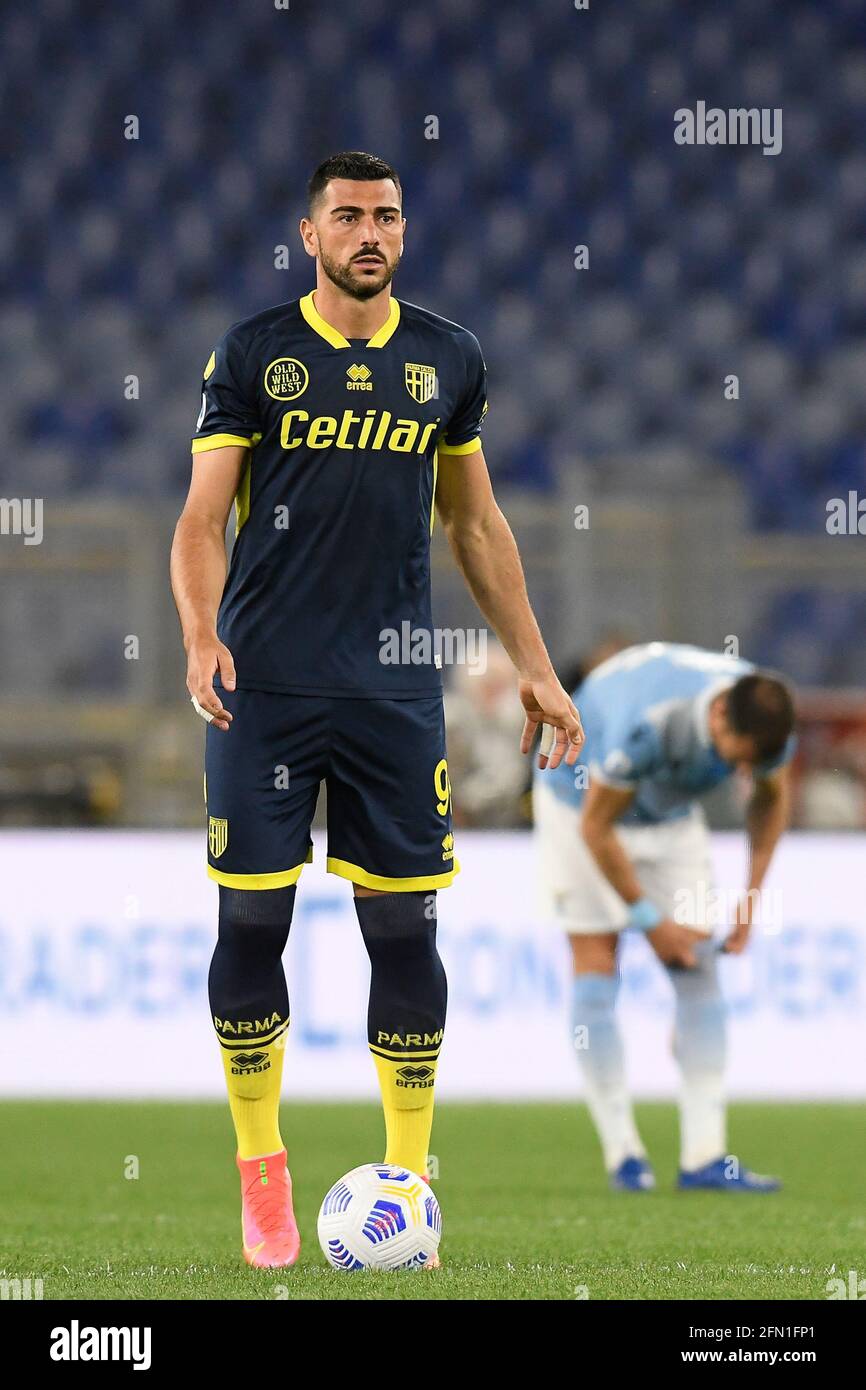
[{"x": 388, "y": 794}]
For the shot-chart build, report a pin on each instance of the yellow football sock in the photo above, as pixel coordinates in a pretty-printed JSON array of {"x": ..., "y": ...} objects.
[
  {"x": 254, "y": 1077},
  {"x": 408, "y": 1110}
]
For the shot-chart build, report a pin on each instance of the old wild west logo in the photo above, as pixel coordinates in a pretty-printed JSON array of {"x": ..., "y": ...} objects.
[
  {"x": 420, "y": 382},
  {"x": 217, "y": 835},
  {"x": 286, "y": 378}
]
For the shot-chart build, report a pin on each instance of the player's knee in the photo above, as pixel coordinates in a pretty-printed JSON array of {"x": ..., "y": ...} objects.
[
  {"x": 700, "y": 1028},
  {"x": 398, "y": 917},
  {"x": 593, "y": 953},
  {"x": 245, "y": 907},
  {"x": 702, "y": 980},
  {"x": 246, "y": 983},
  {"x": 408, "y": 987},
  {"x": 399, "y": 931},
  {"x": 593, "y": 997},
  {"x": 253, "y": 929}
]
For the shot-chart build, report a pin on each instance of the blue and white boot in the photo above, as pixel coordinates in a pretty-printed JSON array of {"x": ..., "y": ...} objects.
[
  {"x": 632, "y": 1175},
  {"x": 717, "y": 1177}
]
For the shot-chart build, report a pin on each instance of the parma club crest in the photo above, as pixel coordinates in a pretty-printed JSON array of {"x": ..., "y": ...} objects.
[
  {"x": 217, "y": 836},
  {"x": 420, "y": 382}
]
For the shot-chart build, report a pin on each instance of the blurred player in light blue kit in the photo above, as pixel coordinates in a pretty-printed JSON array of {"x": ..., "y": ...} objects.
[{"x": 624, "y": 844}]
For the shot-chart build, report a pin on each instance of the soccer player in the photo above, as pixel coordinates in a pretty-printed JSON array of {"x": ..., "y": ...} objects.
[
  {"x": 335, "y": 423},
  {"x": 623, "y": 845}
]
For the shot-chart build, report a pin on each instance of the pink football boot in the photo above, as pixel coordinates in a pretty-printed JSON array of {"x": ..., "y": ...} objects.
[{"x": 270, "y": 1232}]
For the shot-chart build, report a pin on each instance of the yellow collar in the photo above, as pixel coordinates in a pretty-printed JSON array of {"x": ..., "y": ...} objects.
[{"x": 330, "y": 335}]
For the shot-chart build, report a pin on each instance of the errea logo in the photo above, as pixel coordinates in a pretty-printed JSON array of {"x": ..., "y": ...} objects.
[{"x": 359, "y": 377}]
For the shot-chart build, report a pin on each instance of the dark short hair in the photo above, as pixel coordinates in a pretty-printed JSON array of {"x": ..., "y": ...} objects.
[
  {"x": 350, "y": 164},
  {"x": 761, "y": 708}
]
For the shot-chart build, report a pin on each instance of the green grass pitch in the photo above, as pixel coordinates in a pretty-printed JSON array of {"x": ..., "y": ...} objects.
[{"x": 526, "y": 1210}]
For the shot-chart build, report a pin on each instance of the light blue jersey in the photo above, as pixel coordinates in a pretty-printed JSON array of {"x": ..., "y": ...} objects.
[{"x": 645, "y": 716}]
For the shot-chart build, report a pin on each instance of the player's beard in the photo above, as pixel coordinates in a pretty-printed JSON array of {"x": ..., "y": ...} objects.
[{"x": 346, "y": 279}]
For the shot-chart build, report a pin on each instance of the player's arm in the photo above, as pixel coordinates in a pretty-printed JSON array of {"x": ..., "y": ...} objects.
[
  {"x": 486, "y": 554},
  {"x": 198, "y": 573},
  {"x": 603, "y": 806},
  {"x": 767, "y": 818}
]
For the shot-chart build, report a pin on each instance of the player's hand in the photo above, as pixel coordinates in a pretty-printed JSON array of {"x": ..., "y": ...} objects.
[
  {"x": 738, "y": 938},
  {"x": 205, "y": 656},
  {"x": 545, "y": 702},
  {"x": 674, "y": 944}
]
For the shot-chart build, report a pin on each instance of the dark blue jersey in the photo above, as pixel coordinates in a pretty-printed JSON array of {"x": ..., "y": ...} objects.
[{"x": 328, "y": 590}]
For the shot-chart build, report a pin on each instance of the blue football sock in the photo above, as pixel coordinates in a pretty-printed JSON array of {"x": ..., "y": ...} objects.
[
  {"x": 598, "y": 1047},
  {"x": 699, "y": 1047}
]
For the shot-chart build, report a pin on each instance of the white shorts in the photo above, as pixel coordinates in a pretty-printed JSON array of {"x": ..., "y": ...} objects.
[{"x": 672, "y": 862}]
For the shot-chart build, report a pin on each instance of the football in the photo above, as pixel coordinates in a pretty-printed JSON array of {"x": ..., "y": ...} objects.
[{"x": 379, "y": 1216}]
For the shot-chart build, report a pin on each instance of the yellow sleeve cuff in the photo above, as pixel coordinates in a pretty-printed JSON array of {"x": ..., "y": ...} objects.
[
  {"x": 471, "y": 447},
  {"x": 221, "y": 441}
]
